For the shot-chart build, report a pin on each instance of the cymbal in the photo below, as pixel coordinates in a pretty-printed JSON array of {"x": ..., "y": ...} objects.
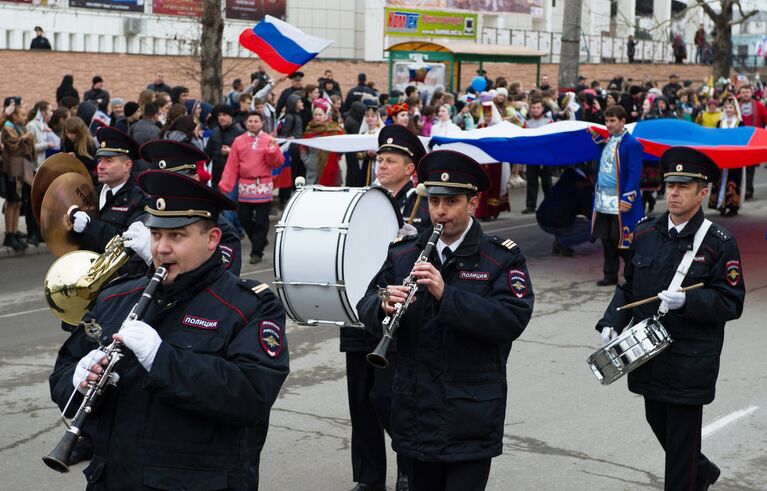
[
  {"x": 54, "y": 166},
  {"x": 65, "y": 191}
]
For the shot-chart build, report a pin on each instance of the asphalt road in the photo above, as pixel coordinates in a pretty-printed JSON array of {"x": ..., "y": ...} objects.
[{"x": 564, "y": 431}]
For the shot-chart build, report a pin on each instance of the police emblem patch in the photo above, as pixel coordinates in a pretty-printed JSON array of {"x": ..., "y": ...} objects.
[
  {"x": 270, "y": 335},
  {"x": 518, "y": 282},
  {"x": 732, "y": 272}
]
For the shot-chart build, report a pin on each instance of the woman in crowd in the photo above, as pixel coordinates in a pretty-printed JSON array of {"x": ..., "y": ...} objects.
[
  {"x": 496, "y": 198},
  {"x": 371, "y": 125},
  {"x": 78, "y": 142},
  {"x": 321, "y": 167},
  {"x": 175, "y": 112},
  {"x": 67, "y": 89},
  {"x": 183, "y": 129},
  {"x": 711, "y": 116},
  {"x": 726, "y": 192},
  {"x": 18, "y": 152},
  {"x": 444, "y": 125},
  {"x": 45, "y": 139}
]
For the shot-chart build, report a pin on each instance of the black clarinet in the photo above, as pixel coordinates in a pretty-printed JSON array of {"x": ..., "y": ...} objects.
[
  {"x": 378, "y": 357},
  {"x": 58, "y": 459}
]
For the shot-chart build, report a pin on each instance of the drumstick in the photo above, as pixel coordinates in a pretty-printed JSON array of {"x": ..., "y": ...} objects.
[
  {"x": 656, "y": 297},
  {"x": 420, "y": 190}
]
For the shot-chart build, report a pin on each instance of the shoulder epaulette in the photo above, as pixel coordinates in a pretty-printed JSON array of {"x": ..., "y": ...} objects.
[
  {"x": 124, "y": 279},
  {"x": 506, "y": 244},
  {"x": 403, "y": 238},
  {"x": 718, "y": 232},
  {"x": 645, "y": 219},
  {"x": 255, "y": 287}
]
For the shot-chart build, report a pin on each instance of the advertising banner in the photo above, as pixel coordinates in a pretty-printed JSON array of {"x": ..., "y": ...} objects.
[
  {"x": 121, "y": 5},
  {"x": 255, "y": 10},
  {"x": 430, "y": 23},
  {"x": 181, "y": 8},
  {"x": 529, "y": 7}
]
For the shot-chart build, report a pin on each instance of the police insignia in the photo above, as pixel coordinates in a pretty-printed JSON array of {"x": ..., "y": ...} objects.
[
  {"x": 445, "y": 176},
  {"x": 518, "y": 282},
  {"x": 270, "y": 335},
  {"x": 732, "y": 272}
]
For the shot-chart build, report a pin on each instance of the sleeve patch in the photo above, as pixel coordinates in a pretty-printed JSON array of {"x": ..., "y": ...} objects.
[
  {"x": 732, "y": 272},
  {"x": 270, "y": 336},
  {"x": 518, "y": 282}
]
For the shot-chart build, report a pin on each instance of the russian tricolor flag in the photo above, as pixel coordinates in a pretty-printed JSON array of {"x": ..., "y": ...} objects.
[{"x": 282, "y": 46}]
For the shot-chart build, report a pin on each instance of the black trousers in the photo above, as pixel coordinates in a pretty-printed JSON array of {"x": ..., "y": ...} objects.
[
  {"x": 369, "y": 390},
  {"x": 534, "y": 173},
  {"x": 254, "y": 218},
  {"x": 33, "y": 228},
  {"x": 606, "y": 227},
  {"x": 468, "y": 475},
  {"x": 750, "y": 179},
  {"x": 678, "y": 429}
]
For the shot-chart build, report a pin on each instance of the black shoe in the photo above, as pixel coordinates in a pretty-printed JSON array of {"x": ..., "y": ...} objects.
[
  {"x": 607, "y": 282},
  {"x": 255, "y": 259},
  {"x": 527, "y": 211},
  {"x": 12, "y": 242},
  {"x": 402, "y": 483},
  {"x": 34, "y": 241},
  {"x": 749, "y": 195},
  {"x": 21, "y": 240},
  {"x": 369, "y": 487},
  {"x": 711, "y": 478},
  {"x": 560, "y": 248}
]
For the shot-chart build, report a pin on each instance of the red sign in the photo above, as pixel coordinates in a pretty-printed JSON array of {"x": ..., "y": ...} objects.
[{"x": 182, "y": 8}]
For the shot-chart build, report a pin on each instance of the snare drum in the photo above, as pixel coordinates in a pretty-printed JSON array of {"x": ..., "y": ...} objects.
[
  {"x": 635, "y": 345},
  {"x": 329, "y": 245}
]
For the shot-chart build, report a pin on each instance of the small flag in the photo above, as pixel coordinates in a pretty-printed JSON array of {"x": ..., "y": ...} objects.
[{"x": 282, "y": 46}]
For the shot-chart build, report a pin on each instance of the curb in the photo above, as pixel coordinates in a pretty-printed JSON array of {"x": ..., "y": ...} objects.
[{"x": 29, "y": 251}]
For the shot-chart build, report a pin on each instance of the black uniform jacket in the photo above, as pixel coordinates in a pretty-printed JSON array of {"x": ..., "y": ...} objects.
[
  {"x": 449, "y": 390},
  {"x": 685, "y": 372},
  {"x": 125, "y": 207},
  {"x": 230, "y": 246},
  {"x": 199, "y": 418}
]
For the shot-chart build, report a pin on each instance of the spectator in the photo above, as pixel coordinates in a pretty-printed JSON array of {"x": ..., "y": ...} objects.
[
  {"x": 726, "y": 190},
  {"x": 631, "y": 48},
  {"x": 40, "y": 41},
  {"x": 292, "y": 127},
  {"x": 165, "y": 105},
  {"x": 98, "y": 94},
  {"x": 355, "y": 94},
  {"x": 175, "y": 112},
  {"x": 672, "y": 88},
  {"x": 159, "y": 84},
  {"x": 178, "y": 94},
  {"x": 535, "y": 172},
  {"x": 754, "y": 114},
  {"x": 426, "y": 121},
  {"x": 249, "y": 166},
  {"x": 243, "y": 110},
  {"x": 118, "y": 110},
  {"x": 259, "y": 78},
  {"x": 233, "y": 98},
  {"x": 56, "y": 125},
  {"x": 45, "y": 139},
  {"x": 711, "y": 116},
  {"x": 183, "y": 129},
  {"x": 131, "y": 115},
  {"x": 146, "y": 129},
  {"x": 321, "y": 167},
  {"x": 329, "y": 87},
  {"x": 335, "y": 108},
  {"x": 16, "y": 171},
  {"x": 700, "y": 43},
  {"x": 221, "y": 140},
  {"x": 679, "y": 49},
  {"x": 463, "y": 118},
  {"x": 371, "y": 125},
  {"x": 352, "y": 125},
  {"x": 565, "y": 211},
  {"x": 78, "y": 142},
  {"x": 67, "y": 89},
  {"x": 144, "y": 98},
  {"x": 296, "y": 83},
  {"x": 444, "y": 125},
  {"x": 545, "y": 84}
]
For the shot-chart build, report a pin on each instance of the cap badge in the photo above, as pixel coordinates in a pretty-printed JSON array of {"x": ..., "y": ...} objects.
[
  {"x": 161, "y": 164},
  {"x": 103, "y": 144},
  {"x": 679, "y": 167},
  {"x": 160, "y": 204},
  {"x": 445, "y": 176},
  {"x": 390, "y": 140}
]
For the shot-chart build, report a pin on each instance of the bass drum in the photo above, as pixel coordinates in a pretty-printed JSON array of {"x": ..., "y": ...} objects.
[{"x": 329, "y": 245}]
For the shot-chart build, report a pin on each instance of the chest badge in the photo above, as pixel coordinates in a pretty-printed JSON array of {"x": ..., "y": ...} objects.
[{"x": 474, "y": 275}]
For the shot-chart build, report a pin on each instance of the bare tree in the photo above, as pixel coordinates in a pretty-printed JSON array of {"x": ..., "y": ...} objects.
[
  {"x": 721, "y": 44},
  {"x": 211, "y": 56}
]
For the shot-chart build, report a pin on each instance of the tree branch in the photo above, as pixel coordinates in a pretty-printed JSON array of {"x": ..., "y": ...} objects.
[
  {"x": 708, "y": 10},
  {"x": 744, "y": 17}
]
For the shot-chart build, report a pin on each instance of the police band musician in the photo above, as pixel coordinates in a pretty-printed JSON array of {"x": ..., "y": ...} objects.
[
  {"x": 200, "y": 372},
  {"x": 474, "y": 299},
  {"x": 681, "y": 379}
]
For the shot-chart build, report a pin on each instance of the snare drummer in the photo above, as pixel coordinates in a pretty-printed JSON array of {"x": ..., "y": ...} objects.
[
  {"x": 680, "y": 380},
  {"x": 399, "y": 152}
]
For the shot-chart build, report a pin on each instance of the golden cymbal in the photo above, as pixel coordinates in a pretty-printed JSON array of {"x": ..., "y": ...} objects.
[
  {"x": 65, "y": 191},
  {"x": 53, "y": 167}
]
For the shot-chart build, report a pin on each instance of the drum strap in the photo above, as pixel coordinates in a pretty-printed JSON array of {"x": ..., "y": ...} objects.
[{"x": 684, "y": 265}]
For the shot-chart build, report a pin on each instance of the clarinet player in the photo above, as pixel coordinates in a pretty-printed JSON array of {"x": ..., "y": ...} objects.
[
  {"x": 199, "y": 373},
  {"x": 474, "y": 298}
]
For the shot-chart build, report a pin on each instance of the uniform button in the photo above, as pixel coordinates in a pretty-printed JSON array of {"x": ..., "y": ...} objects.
[
  {"x": 460, "y": 265},
  {"x": 169, "y": 305}
]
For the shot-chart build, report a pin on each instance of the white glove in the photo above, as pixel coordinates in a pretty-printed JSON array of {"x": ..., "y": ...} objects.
[
  {"x": 81, "y": 220},
  {"x": 671, "y": 300},
  {"x": 608, "y": 334},
  {"x": 83, "y": 369},
  {"x": 142, "y": 339},
  {"x": 406, "y": 230},
  {"x": 138, "y": 238}
]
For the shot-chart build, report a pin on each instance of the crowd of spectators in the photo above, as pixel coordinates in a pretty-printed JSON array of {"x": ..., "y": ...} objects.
[{"x": 291, "y": 108}]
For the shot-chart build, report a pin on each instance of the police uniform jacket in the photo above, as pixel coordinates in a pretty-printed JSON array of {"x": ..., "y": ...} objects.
[
  {"x": 125, "y": 207},
  {"x": 449, "y": 389},
  {"x": 405, "y": 199},
  {"x": 198, "y": 419},
  {"x": 230, "y": 246},
  {"x": 686, "y": 371}
]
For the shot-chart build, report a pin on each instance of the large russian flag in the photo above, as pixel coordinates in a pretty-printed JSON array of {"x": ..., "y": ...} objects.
[{"x": 282, "y": 46}]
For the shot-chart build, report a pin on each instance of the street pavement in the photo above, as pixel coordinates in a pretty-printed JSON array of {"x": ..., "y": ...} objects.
[{"x": 564, "y": 431}]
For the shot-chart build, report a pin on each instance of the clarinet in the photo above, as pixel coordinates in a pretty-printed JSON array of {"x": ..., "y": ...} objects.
[
  {"x": 378, "y": 357},
  {"x": 58, "y": 458}
]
